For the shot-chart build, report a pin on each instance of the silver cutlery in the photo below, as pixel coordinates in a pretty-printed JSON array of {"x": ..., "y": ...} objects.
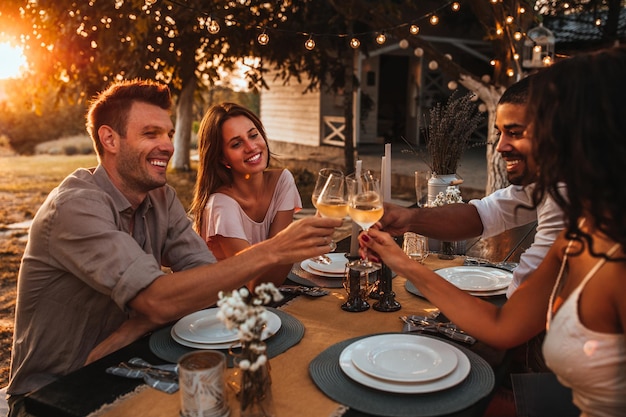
[
  {"x": 427, "y": 324},
  {"x": 301, "y": 289},
  {"x": 507, "y": 266}
]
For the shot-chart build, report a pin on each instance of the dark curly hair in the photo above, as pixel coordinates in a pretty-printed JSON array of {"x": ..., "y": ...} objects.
[{"x": 579, "y": 134}]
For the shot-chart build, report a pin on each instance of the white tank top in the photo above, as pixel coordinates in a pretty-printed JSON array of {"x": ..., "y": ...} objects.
[{"x": 592, "y": 364}]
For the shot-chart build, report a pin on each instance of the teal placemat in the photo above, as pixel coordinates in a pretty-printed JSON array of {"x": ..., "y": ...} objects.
[
  {"x": 290, "y": 333},
  {"x": 328, "y": 376}
]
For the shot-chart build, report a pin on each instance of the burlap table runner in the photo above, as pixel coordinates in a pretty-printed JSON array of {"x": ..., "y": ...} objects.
[{"x": 295, "y": 393}]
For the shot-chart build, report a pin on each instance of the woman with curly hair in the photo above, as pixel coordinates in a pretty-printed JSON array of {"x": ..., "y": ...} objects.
[{"x": 577, "y": 294}]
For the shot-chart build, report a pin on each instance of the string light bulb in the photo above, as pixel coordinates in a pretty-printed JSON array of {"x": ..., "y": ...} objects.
[
  {"x": 456, "y": 6},
  {"x": 510, "y": 19},
  {"x": 510, "y": 72},
  {"x": 414, "y": 29},
  {"x": 403, "y": 44},
  {"x": 310, "y": 43},
  {"x": 355, "y": 43},
  {"x": 434, "y": 19},
  {"x": 263, "y": 38},
  {"x": 213, "y": 27},
  {"x": 150, "y": 2},
  {"x": 381, "y": 38},
  {"x": 518, "y": 36}
]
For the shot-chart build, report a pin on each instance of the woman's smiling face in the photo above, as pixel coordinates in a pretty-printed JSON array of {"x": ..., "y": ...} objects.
[{"x": 244, "y": 148}]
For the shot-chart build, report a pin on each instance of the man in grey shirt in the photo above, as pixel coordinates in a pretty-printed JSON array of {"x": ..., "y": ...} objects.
[{"x": 91, "y": 279}]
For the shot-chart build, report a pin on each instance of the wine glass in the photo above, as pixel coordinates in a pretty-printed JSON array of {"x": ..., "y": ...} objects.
[
  {"x": 333, "y": 201},
  {"x": 365, "y": 204},
  {"x": 322, "y": 177}
]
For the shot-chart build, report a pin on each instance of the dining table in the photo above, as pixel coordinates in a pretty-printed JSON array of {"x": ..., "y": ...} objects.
[{"x": 306, "y": 378}]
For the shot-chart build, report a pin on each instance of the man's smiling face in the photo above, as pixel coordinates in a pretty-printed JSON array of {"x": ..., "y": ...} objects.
[{"x": 514, "y": 144}]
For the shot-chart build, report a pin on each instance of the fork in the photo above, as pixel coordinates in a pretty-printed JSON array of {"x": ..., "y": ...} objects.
[{"x": 429, "y": 325}]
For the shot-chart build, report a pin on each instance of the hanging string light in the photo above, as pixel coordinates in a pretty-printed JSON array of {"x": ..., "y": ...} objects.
[
  {"x": 213, "y": 26},
  {"x": 263, "y": 38},
  {"x": 310, "y": 43},
  {"x": 505, "y": 24}
]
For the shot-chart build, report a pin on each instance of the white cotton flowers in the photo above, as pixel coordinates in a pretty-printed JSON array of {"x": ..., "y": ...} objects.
[
  {"x": 245, "y": 311},
  {"x": 451, "y": 196}
]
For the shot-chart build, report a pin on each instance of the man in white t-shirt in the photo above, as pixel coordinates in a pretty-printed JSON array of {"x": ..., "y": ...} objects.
[{"x": 499, "y": 211}]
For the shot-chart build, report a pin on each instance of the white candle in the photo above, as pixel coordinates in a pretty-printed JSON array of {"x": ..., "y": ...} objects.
[
  {"x": 382, "y": 177},
  {"x": 536, "y": 55},
  {"x": 387, "y": 184},
  {"x": 354, "y": 239}
]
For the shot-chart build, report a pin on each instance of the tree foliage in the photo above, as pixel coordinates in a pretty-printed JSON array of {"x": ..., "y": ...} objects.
[{"x": 77, "y": 47}]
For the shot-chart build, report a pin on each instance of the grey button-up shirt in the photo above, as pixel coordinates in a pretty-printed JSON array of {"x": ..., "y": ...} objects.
[{"x": 82, "y": 265}]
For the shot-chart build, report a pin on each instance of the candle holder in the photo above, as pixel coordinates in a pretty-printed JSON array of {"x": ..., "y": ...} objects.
[
  {"x": 386, "y": 297},
  {"x": 358, "y": 282}
]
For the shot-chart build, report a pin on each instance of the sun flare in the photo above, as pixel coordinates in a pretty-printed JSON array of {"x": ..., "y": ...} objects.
[{"x": 13, "y": 61}]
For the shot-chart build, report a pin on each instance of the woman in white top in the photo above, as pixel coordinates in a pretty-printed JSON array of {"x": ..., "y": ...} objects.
[
  {"x": 578, "y": 293},
  {"x": 238, "y": 201}
]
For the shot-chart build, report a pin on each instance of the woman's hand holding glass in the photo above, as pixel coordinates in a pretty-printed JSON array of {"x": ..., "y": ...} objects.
[
  {"x": 365, "y": 203},
  {"x": 332, "y": 200}
]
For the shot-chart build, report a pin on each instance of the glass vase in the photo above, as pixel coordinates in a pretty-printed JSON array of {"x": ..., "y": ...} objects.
[{"x": 255, "y": 395}]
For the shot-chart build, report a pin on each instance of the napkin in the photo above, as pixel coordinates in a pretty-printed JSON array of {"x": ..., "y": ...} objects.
[
  {"x": 161, "y": 377},
  {"x": 428, "y": 324}
]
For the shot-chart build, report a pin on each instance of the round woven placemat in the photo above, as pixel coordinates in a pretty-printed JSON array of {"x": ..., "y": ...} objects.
[
  {"x": 290, "y": 333},
  {"x": 328, "y": 376}
]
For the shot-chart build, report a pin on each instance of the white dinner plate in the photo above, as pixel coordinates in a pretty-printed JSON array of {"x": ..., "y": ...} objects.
[
  {"x": 203, "y": 327},
  {"x": 336, "y": 266},
  {"x": 455, "y": 377},
  {"x": 403, "y": 358},
  {"x": 476, "y": 278},
  {"x": 413, "y": 290},
  {"x": 306, "y": 265}
]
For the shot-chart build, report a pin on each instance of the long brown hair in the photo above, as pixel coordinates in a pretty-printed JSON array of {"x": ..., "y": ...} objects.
[{"x": 212, "y": 174}]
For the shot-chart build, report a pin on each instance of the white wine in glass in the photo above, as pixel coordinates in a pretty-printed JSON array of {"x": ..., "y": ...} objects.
[
  {"x": 322, "y": 177},
  {"x": 332, "y": 201},
  {"x": 365, "y": 203}
]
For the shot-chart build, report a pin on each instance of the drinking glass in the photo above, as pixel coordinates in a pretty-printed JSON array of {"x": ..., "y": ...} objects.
[
  {"x": 415, "y": 246},
  {"x": 322, "y": 177},
  {"x": 333, "y": 201},
  {"x": 365, "y": 205}
]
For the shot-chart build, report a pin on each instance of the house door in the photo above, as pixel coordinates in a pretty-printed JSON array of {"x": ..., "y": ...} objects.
[{"x": 393, "y": 98}]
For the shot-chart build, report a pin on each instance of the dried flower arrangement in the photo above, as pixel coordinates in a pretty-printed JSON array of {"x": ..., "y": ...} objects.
[
  {"x": 449, "y": 130},
  {"x": 245, "y": 311},
  {"x": 451, "y": 196}
]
